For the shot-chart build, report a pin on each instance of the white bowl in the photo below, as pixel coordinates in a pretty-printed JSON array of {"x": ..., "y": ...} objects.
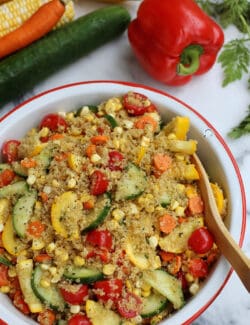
[{"x": 212, "y": 150}]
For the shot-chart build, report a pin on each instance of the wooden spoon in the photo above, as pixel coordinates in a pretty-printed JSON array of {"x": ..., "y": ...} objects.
[{"x": 228, "y": 247}]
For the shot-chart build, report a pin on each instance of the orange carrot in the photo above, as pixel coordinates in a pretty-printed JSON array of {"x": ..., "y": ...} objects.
[
  {"x": 61, "y": 156},
  {"x": 44, "y": 197},
  {"x": 195, "y": 204},
  {"x": 175, "y": 265},
  {"x": 88, "y": 205},
  {"x": 167, "y": 223},
  {"x": 144, "y": 120},
  {"x": 56, "y": 136},
  {"x": 42, "y": 258},
  {"x": 47, "y": 317},
  {"x": 28, "y": 163},
  {"x": 99, "y": 139},
  {"x": 35, "y": 228},
  {"x": 166, "y": 256},
  {"x": 162, "y": 162},
  {"x": 90, "y": 150},
  {"x": 38, "y": 25}
]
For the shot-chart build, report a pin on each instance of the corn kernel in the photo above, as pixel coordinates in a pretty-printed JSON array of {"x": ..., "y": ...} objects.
[
  {"x": 45, "y": 267},
  {"x": 47, "y": 189},
  {"x": 89, "y": 117},
  {"x": 153, "y": 241},
  {"x": 55, "y": 183},
  {"x": 79, "y": 261},
  {"x": 128, "y": 124},
  {"x": 156, "y": 263},
  {"x": 189, "y": 277},
  {"x": 61, "y": 254},
  {"x": 128, "y": 285},
  {"x": 37, "y": 244},
  {"x": 145, "y": 141},
  {"x": 5, "y": 289},
  {"x": 118, "y": 214},
  {"x": 171, "y": 136},
  {"x": 95, "y": 158},
  {"x": 116, "y": 143},
  {"x": 43, "y": 132},
  {"x": 108, "y": 269},
  {"x": 45, "y": 283},
  {"x": 179, "y": 157},
  {"x": 174, "y": 205},
  {"x": 84, "y": 111},
  {"x": 51, "y": 247},
  {"x": 75, "y": 309},
  {"x": 53, "y": 270},
  {"x": 1, "y": 227},
  {"x": 71, "y": 183},
  {"x": 194, "y": 288},
  {"x": 113, "y": 105},
  {"x": 180, "y": 211},
  {"x": 137, "y": 291},
  {"x": 145, "y": 294},
  {"x": 118, "y": 130},
  {"x": 31, "y": 179}
]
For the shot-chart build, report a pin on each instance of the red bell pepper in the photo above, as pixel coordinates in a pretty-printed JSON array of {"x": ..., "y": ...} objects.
[{"x": 174, "y": 40}]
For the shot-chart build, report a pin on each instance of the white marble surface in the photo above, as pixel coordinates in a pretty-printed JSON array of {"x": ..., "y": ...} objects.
[{"x": 223, "y": 107}]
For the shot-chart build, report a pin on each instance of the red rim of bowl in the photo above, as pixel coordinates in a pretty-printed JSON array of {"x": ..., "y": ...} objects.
[{"x": 218, "y": 136}]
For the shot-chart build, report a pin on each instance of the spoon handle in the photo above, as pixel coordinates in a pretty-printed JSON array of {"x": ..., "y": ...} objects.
[{"x": 227, "y": 245}]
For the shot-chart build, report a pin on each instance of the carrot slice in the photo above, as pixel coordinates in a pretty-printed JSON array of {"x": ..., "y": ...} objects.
[
  {"x": 99, "y": 139},
  {"x": 162, "y": 162},
  {"x": 38, "y": 25},
  {"x": 144, "y": 120},
  {"x": 195, "y": 204},
  {"x": 28, "y": 163},
  {"x": 175, "y": 265},
  {"x": 166, "y": 256},
  {"x": 167, "y": 223},
  {"x": 56, "y": 136},
  {"x": 42, "y": 258},
  {"x": 35, "y": 228},
  {"x": 47, "y": 317},
  {"x": 90, "y": 150},
  {"x": 44, "y": 197}
]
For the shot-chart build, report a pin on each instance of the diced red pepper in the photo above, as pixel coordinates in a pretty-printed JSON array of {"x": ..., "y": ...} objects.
[
  {"x": 100, "y": 238},
  {"x": 198, "y": 268},
  {"x": 19, "y": 302},
  {"x": 4, "y": 281}
]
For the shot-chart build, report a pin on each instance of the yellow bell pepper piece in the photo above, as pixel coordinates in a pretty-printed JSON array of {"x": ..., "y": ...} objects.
[
  {"x": 74, "y": 162},
  {"x": 179, "y": 126},
  {"x": 219, "y": 197}
]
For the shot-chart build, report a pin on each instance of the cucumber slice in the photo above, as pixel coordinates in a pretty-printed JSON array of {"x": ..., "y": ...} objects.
[
  {"x": 44, "y": 158},
  {"x": 82, "y": 274},
  {"x": 22, "y": 212},
  {"x": 99, "y": 213},
  {"x": 18, "y": 188},
  {"x": 167, "y": 285},
  {"x": 132, "y": 183},
  {"x": 19, "y": 170},
  {"x": 153, "y": 305},
  {"x": 61, "y": 322},
  {"x": 4, "y": 166},
  {"x": 112, "y": 121},
  {"x": 51, "y": 295},
  {"x": 5, "y": 261},
  {"x": 92, "y": 108}
]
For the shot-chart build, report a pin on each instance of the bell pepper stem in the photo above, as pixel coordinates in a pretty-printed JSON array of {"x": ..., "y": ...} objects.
[{"x": 189, "y": 60}]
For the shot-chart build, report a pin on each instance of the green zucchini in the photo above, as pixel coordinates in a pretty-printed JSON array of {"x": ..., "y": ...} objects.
[
  {"x": 92, "y": 108},
  {"x": 18, "y": 188},
  {"x": 22, "y": 70},
  {"x": 112, "y": 121},
  {"x": 22, "y": 212},
  {"x": 50, "y": 296},
  {"x": 82, "y": 274},
  {"x": 132, "y": 183},
  {"x": 153, "y": 305},
  {"x": 99, "y": 213},
  {"x": 19, "y": 169},
  {"x": 5, "y": 261}
]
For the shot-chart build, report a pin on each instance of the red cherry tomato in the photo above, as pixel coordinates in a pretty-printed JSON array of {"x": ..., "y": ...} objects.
[
  {"x": 200, "y": 241},
  {"x": 115, "y": 160},
  {"x": 98, "y": 183},
  {"x": 3, "y": 275},
  {"x": 100, "y": 238},
  {"x": 10, "y": 151},
  {"x": 54, "y": 122},
  {"x": 46, "y": 317},
  {"x": 137, "y": 104},
  {"x": 124, "y": 305},
  {"x": 198, "y": 268},
  {"x": 108, "y": 289},
  {"x": 79, "y": 319},
  {"x": 2, "y": 322},
  {"x": 19, "y": 302},
  {"x": 103, "y": 254},
  {"x": 181, "y": 277},
  {"x": 76, "y": 296},
  {"x": 6, "y": 177}
]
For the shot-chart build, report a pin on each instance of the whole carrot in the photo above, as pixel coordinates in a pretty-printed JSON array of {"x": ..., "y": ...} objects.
[{"x": 38, "y": 25}]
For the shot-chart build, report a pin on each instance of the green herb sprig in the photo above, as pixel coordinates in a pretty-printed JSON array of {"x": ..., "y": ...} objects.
[{"x": 235, "y": 56}]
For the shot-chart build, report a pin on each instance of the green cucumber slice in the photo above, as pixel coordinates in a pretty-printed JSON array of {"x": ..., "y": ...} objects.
[
  {"x": 19, "y": 170},
  {"x": 4, "y": 166},
  {"x": 112, "y": 121},
  {"x": 167, "y": 285},
  {"x": 82, "y": 274},
  {"x": 50, "y": 296},
  {"x": 18, "y": 188},
  {"x": 132, "y": 183},
  {"x": 99, "y": 213},
  {"x": 22, "y": 212},
  {"x": 153, "y": 305}
]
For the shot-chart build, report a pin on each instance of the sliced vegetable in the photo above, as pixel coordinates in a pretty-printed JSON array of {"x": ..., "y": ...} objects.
[
  {"x": 54, "y": 122},
  {"x": 115, "y": 161},
  {"x": 112, "y": 121},
  {"x": 167, "y": 285},
  {"x": 22, "y": 212},
  {"x": 24, "y": 272},
  {"x": 100, "y": 238},
  {"x": 5, "y": 261},
  {"x": 19, "y": 302},
  {"x": 98, "y": 314},
  {"x": 74, "y": 40},
  {"x": 110, "y": 289},
  {"x": 76, "y": 296},
  {"x": 6, "y": 177},
  {"x": 153, "y": 305},
  {"x": 35, "y": 228},
  {"x": 167, "y": 223},
  {"x": 46, "y": 317},
  {"x": 137, "y": 104},
  {"x": 50, "y": 296},
  {"x": 201, "y": 241},
  {"x": 10, "y": 151},
  {"x": 129, "y": 306},
  {"x": 82, "y": 274},
  {"x": 161, "y": 162},
  {"x": 132, "y": 183},
  {"x": 79, "y": 319},
  {"x": 137, "y": 258},
  {"x": 179, "y": 126},
  {"x": 10, "y": 243},
  {"x": 195, "y": 204},
  {"x": 97, "y": 215},
  {"x": 4, "y": 275},
  {"x": 98, "y": 183},
  {"x": 198, "y": 267},
  {"x": 145, "y": 120},
  {"x": 18, "y": 169}
]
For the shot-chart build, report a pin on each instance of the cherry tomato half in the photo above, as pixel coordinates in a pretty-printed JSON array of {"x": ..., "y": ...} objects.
[
  {"x": 200, "y": 241},
  {"x": 103, "y": 254},
  {"x": 124, "y": 305},
  {"x": 115, "y": 160},
  {"x": 137, "y": 104},
  {"x": 19, "y": 302},
  {"x": 10, "y": 150},
  {"x": 98, "y": 183},
  {"x": 46, "y": 317},
  {"x": 100, "y": 238},
  {"x": 76, "y": 296},
  {"x": 3, "y": 275},
  {"x": 198, "y": 268},
  {"x": 108, "y": 289},
  {"x": 6, "y": 177},
  {"x": 79, "y": 319},
  {"x": 54, "y": 122}
]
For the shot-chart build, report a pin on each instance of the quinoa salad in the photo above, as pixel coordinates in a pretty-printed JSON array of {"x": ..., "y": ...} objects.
[{"x": 101, "y": 216}]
